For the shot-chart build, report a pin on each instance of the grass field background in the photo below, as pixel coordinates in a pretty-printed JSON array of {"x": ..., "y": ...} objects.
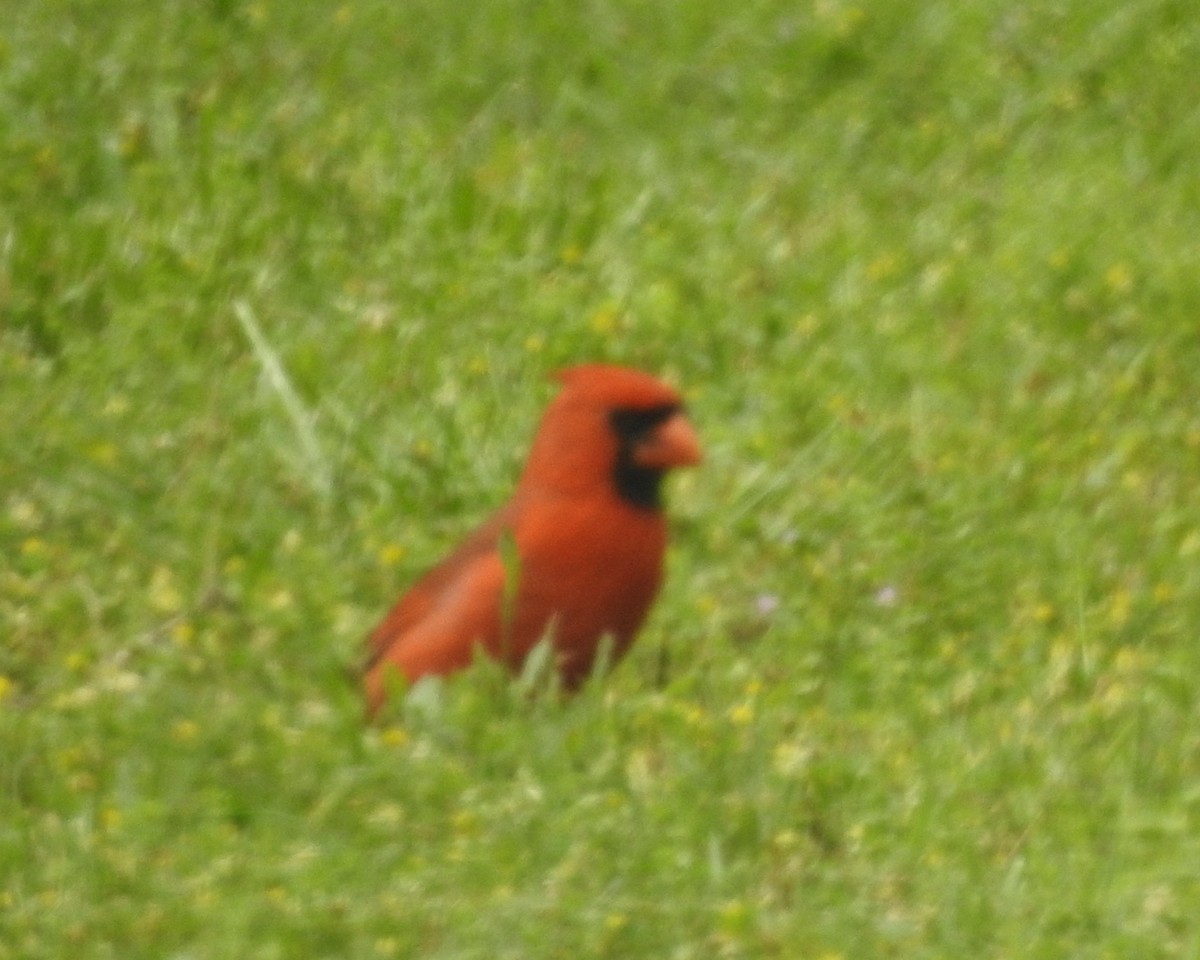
[{"x": 280, "y": 285}]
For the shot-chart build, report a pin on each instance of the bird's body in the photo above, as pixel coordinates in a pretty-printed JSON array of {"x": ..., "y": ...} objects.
[{"x": 575, "y": 556}]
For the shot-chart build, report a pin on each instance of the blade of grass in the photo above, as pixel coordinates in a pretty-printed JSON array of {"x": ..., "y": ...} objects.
[{"x": 301, "y": 419}]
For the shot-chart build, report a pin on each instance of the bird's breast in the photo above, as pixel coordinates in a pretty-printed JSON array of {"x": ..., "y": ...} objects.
[{"x": 586, "y": 570}]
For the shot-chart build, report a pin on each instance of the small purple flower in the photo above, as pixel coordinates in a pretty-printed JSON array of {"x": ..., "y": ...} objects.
[
  {"x": 887, "y": 596},
  {"x": 766, "y": 604}
]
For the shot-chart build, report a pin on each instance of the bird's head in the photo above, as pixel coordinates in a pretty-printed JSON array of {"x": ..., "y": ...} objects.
[{"x": 611, "y": 428}]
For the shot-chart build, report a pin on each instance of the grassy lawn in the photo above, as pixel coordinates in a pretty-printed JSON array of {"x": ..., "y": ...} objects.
[{"x": 280, "y": 286}]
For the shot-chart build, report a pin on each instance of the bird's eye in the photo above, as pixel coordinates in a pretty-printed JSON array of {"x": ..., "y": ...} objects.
[{"x": 632, "y": 425}]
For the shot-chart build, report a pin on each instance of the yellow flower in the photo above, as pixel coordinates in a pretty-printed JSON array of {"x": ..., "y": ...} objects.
[
  {"x": 741, "y": 715},
  {"x": 1127, "y": 661},
  {"x": 103, "y": 453},
  {"x": 25, "y": 514},
  {"x": 1067, "y": 97},
  {"x": 883, "y": 266},
  {"x": 164, "y": 595},
  {"x": 694, "y": 715},
  {"x": 1119, "y": 278},
  {"x": 807, "y": 325},
  {"x": 185, "y": 730},
  {"x": 734, "y": 916},
  {"x": 791, "y": 758},
  {"x": 33, "y": 547},
  {"x": 605, "y": 320},
  {"x": 391, "y": 555},
  {"x": 280, "y": 600},
  {"x": 1118, "y": 607},
  {"x": 116, "y": 405}
]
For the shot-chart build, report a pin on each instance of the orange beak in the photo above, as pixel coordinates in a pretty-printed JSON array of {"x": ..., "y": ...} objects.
[{"x": 672, "y": 444}]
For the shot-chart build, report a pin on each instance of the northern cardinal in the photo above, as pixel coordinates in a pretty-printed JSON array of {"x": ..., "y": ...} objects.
[{"x": 577, "y": 553}]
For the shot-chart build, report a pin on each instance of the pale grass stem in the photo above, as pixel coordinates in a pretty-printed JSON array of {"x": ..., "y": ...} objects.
[{"x": 319, "y": 472}]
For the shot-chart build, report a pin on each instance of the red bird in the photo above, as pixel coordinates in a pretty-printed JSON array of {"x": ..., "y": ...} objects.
[{"x": 583, "y": 537}]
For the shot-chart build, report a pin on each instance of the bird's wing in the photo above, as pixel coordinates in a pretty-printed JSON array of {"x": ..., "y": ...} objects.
[
  {"x": 431, "y": 591},
  {"x": 466, "y": 612}
]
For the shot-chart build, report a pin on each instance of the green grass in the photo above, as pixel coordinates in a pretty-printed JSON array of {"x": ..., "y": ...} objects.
[{"x": 279, "y": 288}]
